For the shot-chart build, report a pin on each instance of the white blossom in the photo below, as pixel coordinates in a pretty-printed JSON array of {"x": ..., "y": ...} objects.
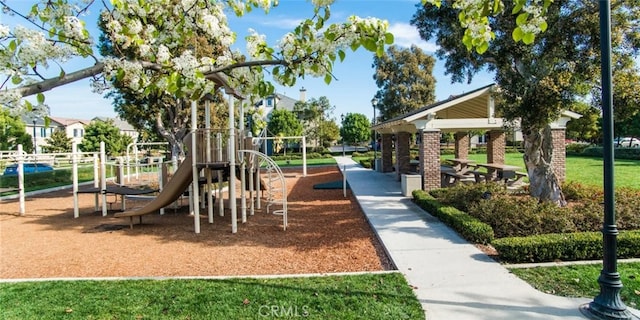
[{"x": 4, "y": 31}]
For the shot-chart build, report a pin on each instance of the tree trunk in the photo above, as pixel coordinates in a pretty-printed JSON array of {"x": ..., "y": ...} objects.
[{"x": 538, "y": 155}]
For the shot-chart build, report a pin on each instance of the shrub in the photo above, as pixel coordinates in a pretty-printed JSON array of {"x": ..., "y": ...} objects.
[
  {"x": 463, "y": 195},
  {"x": 467, "y": 226},
  {"x": 619, "y": 153},
  {"x": 570, "y": 246},
  {"x": 576, "y": 148}
]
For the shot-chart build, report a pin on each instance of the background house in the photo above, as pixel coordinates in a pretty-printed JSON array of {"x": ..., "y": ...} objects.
[{"x": 74, "y": 128}]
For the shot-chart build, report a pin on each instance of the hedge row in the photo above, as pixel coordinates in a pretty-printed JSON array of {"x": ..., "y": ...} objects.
[
  {"x": 566, "y": 247},
  {"x": 467, "y": 226},
  {"x": 619, "y": 152}
]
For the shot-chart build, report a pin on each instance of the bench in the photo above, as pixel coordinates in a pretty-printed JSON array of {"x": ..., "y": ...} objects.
[
  {"x": 517, "y": 180},
  {"x": 450, "y": 178}
]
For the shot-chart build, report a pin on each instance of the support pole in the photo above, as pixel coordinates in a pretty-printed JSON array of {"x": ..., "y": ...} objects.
[
  {"x": 209, "y": 155},
  {"x": 304, "y": 156},
  {"x": 21, "y": 179},
  {"x": 103, "y": 177},
  {"x": 607, "y": 304},
  {"x": 220, "y": 178},
  {"x": 194, "y": 164},
  {"x": 74, "y": 173},
  {"x": 243, "y": 167},
  {"x": 232, "y": 165},
  {"x": 96, "y": 180}
]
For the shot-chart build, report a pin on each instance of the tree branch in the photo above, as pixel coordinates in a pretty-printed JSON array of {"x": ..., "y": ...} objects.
[{"x": 51, "y": 83}]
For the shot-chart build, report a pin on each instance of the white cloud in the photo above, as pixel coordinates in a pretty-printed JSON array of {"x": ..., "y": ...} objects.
[
  {"x": 406, "y": 35},
  {"x": 280, "y": 22}
]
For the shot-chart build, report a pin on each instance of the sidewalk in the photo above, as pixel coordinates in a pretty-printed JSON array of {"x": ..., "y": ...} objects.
[{"x": 453, "y": 279}]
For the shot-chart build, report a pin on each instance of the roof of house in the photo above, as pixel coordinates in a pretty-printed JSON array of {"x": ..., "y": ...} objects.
[
  {"x": 282, "y": 101},
  {"x": 68, "y": 121},
  {"x": 119, "y": 123}
]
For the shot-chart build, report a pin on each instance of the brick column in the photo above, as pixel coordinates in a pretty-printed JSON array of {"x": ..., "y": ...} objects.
[
  {"x": 403, "y": 155},
  {"x": 559, "y": 153},
  {"x": 462, "y": 145},
  {"x": 496, "y": 145},
  {"x": 430, "y": 159},
  {"x": 387, "y": 152}
]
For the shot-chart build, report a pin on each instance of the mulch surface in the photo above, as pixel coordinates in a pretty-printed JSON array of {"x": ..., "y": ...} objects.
[{"x": 326, "y": 233}]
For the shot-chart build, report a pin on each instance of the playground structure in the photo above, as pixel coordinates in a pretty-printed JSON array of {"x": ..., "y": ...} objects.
[
  {"x": 218, "y": 151},
  {"x": 210, "y": 151}
]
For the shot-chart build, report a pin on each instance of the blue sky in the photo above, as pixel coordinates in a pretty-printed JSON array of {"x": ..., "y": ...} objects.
[{"x": 350, "y": 93}]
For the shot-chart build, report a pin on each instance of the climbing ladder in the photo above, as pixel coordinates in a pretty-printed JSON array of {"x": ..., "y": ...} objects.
[{"x": 276, "y": 188}]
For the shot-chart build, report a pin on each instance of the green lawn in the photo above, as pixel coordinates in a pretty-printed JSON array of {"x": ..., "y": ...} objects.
[
  {"x": 581, "y": 280},
  {"x": 310, "y": 162},
  {"x": 585, "y": 170},
  {"x": 372, "y": 296}
]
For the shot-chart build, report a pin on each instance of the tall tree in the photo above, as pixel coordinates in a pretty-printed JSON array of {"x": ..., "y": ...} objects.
[
  {"x": 329, "y": 132},
  {"x": 355, "y": 129},
  {"x": 587, "y": 128},
  {"x": 540, "y": 80},
  {"x": 284, "y": 123},
  {"x": 405, "y": 81},
  {"x": 313, "y": 113},
  {"x": 98, "y": 131},
  {"x": 13, "y": 133},
  {"x": 58, "y": 142}
]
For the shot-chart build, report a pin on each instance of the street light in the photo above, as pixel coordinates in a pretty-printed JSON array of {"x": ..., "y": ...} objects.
[
  {"x": 342, "y": 124},
  {"x": 374, "y": 103}
]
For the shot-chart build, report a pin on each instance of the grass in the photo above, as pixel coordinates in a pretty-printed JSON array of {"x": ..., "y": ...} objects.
[
  {"x": 369, "y": 296},
  {"x": 310, "y": 162},
  {"x": 585, "y": 170},
  {"x": 580, "y": 280}
]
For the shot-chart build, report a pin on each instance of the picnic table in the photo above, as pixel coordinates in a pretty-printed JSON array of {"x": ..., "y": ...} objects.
[
  {"x": 461, "y": 165},
  {"x": 452, "y": 175},
  {"x": 500, "y": 172}
]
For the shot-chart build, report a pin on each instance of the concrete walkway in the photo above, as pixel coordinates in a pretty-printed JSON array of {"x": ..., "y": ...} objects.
[{"x": 453, "y": 279}]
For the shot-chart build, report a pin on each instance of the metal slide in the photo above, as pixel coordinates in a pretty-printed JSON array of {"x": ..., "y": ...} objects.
[{"x": 174, "y": 188}]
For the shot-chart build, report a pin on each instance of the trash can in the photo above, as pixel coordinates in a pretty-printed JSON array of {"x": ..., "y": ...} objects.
[{"x": 410, "y": 182}]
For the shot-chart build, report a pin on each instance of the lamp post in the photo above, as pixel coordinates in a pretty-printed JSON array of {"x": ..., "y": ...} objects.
[
  {"x": 342, "y": 125},
  {"x": 607, "y": 304},
  {"x": 374, "y": 103},
  {"x": 35, "y": 146}
]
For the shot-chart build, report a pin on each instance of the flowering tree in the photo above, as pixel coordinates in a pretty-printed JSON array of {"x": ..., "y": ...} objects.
[
  {"x": 155, "y": 33},
  {"x": 54, "y": 32}
]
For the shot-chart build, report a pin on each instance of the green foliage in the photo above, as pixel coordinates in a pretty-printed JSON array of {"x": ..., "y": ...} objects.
[
  {"x": 405, "y": 81},
  {"x": 368, "y": 296},
  {"x": 566, "y": 247},
  {"x": 284, "y": 123},
  {"x": 467, "y": 226},
  {"x": 464, "y": 195},
  {"x": 49, "y": 179},
  {"x": 619, "y": 152},
  {"x": 12, "y": 132},
  {"x": 58, "y": 142},
  {"x": 355, "y": 128},
  {"x": 578, "y": 280},
  {"x": 329, "y": 132},
  {"x": 576, "y": 148},
  {"x": 315, "y": 117},
  {"x": 97, "y": 131},
  {"x": 587, "y": 128}
]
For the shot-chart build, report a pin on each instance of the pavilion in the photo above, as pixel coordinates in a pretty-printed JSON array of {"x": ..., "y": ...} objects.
[{"x": 472, "y": 111}]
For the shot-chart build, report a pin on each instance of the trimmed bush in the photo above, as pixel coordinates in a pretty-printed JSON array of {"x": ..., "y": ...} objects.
[
  {"x": 467, "y": 226},
  {"x": 619, "y": 152},
  {"x": 566, "y": 247}
]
